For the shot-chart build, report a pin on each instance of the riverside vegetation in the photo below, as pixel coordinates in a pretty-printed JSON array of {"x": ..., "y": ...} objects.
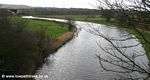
[
  {"x": 25, "y": 43},
  {"x": 112, "y": 22}
]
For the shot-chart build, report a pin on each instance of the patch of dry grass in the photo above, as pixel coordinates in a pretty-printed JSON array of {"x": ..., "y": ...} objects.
[{"x": 58, "y": 42}]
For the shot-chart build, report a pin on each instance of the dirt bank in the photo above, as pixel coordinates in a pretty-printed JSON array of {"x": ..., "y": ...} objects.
[{"x": 61, "y": 40}]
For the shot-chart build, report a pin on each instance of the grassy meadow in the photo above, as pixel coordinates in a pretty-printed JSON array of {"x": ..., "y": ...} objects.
[
  {"x": 50, "y": 28},
  {"x": 25, "y": 43}
]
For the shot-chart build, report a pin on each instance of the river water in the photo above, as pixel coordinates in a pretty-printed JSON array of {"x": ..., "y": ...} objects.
[{"x": 77, "y": 59}]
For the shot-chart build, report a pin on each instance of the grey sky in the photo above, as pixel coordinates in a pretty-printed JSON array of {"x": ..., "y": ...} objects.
[{"x": 54, "y": 3}]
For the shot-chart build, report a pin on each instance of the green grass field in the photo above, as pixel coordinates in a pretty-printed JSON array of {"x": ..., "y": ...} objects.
[
  {"x": 86, "y": 18},
  {"x": 25, "y": 43},
  {"x": 50, "y": 28}
]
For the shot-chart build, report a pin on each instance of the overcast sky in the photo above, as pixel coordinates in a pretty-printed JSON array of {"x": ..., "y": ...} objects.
[{"x": 54, "y": 3}]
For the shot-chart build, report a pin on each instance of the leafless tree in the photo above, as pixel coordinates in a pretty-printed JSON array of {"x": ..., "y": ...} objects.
[
  {"x": 117, "y": 55},
  {"x": 133, "y": 13}
]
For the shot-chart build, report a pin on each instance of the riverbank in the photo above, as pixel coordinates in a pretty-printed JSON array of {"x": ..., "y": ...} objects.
[
  {"x": 25, "y": 43},
  {"x": 113, "y": 23},
  {"x": 100, "y": 20},
  {"x": 60, "y": 38}
]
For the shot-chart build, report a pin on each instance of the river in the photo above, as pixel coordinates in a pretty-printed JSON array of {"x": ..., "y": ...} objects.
[{"x": 77, "y": 59}]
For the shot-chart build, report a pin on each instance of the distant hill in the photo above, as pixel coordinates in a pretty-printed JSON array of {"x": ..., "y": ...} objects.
[
  {"x": 10, "y": 6},
  {"x": 28, "y": 10}
]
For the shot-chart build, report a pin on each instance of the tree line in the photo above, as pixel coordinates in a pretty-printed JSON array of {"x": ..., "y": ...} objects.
[{"x": 57, "y": 11}]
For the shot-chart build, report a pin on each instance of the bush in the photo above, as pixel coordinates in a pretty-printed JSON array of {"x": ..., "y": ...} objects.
[{"x": 21, "y": 49}]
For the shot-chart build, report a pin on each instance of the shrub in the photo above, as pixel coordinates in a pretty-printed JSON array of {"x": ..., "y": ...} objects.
[{"x": 21, "y": 49}]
